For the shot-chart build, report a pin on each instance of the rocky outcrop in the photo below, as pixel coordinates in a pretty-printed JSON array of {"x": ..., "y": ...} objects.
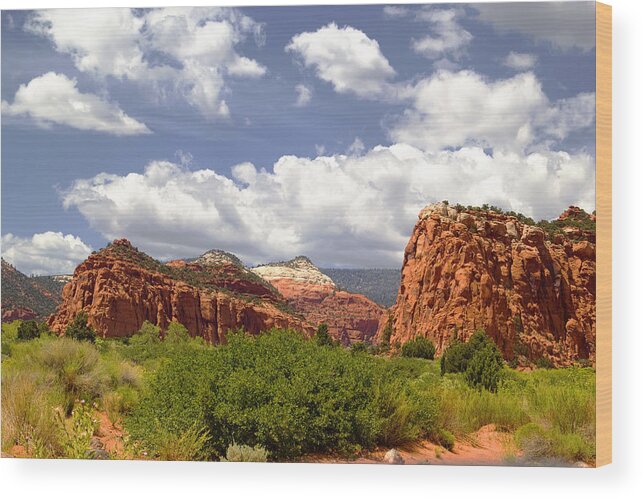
[
  {"x": 350, "y": 317},
  {"x": 466, "y": 270},
  {"x": 26, "y": 298},
  {"x": 120, "y": 288}
]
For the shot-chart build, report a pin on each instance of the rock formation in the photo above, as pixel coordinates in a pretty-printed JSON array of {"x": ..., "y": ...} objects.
[
  {"x": 350, "y": 317},
  {"x": 26, "y": 298},
  {"x": 532, "y": 291},
  {"x": 120, "y": 288}
]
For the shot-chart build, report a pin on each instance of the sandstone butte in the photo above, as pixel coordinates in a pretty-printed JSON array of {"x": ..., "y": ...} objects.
[
  {"x": 120, "y": 288},
  {"x": 350, "y": 317},
  {"x": 534, "y": 293}
]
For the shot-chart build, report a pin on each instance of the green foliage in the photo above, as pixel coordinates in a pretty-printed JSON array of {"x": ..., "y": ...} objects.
[
  {"x": 544, "y": 363},
  {"x": 187, "y": 445},
  {"x": 80, "y": 330},
  {"x": 280, "y": 391},
  {"x": 323, "y": 337},
  {"x": 245, "y": 454},
  {"x": 419, "y": 347},
  {"x": 445, "y": 438},
  {"x": 387, "y": 332},
  {"x": 28, "y": 417},
  {"x": 28, "y": 330},
  {"x": 176, "y": 333},
  {"x": 9, "y": 336},
  {"x": 455, "y": 358},
  {"x": 484, "y": 368},
  {"x": 359, "y": 347},
  {"x": 479, "y": 358},
  {"x": 78, "y": 431}
]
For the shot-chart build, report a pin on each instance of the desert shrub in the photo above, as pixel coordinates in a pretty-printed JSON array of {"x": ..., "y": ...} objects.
[
  {"x": 146, "y": 335},
  {"x": 74, "y": 367},
  {"x": 78, "y": 430},
  {"x": 537, "y": 443},
  {"x": 323, "y": 337},
  {"x": 9, "y": 336},
  {"x": 544, "y": 363},
  {"x": 359, "y": 347},
  {"x": 533, "y": 440},
  {"x": 113, "y": 406},
  {"x": 176, "y": 333},
  {"x": 444, "y": 438},
  {"x": 463, "y": 409},
  {"x": 479, "y": 358},
  {"x": 282, "y": 392},
  {"x": 455, "y": 358},
  {"x": 187, "y": 445},
  {"x": 28, "y": 417},
  {"x": 485, "y": 368},
  {"x": 245, "y": 454},
  {"x": 173, "y": 400},
  {"x": 80, "y": 330},
  {"x": 396, "y": 415},
  {"x": 419, "y": 347},
  {"x": 28, "y": 330}
]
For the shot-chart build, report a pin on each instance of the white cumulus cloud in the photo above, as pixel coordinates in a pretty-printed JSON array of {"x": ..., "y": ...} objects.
[
  {"x": 55, "y": 98},
  {"x": 455, "y": 109},
  {"x": 520, "y": 61},
  {"x": 446, "y": 36},
  {"x": 45, "y": 253},
  {"x": 345, "y": 57},
  {"x": 187, "y": 50},
  {"x": 304, "y": 95},
  {"x": 352, "y": 210}
]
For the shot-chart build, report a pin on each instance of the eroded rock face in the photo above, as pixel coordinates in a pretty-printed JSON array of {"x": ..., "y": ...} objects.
[
  {"x": 120, "y": 288},
  {"x": 350, "y": 317},
  {"x": 467, "y": 270}
]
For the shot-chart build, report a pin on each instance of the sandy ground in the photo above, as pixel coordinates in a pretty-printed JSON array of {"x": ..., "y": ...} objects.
[{"x": 485, "y": 447}]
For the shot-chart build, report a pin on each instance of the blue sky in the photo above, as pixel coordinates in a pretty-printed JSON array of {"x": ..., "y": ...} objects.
[{"x": 276, "y": 131}]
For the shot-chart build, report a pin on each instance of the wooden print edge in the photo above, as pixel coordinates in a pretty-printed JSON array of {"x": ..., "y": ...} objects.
[{"x": 603, "y": 234}]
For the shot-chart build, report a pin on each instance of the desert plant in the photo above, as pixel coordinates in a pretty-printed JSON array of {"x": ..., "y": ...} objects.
[
  {"x": 187, "y": 445},
  {"x": 419, "y": 347},
  {"x": 245, "y": 454},
  {"x": 323, "y": 337},
  {"x": 80, "y": 330},
  {"x": 485, "y": 368},
  {"x": 74, "y": 366},
  {"x": 28, "y": 417},
  {"x": 28, "y": 330},
  {"x": 176, "y": 333}
]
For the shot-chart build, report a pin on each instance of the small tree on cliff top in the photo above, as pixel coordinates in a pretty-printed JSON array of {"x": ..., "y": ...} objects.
[{"x": 80, "y": 330}]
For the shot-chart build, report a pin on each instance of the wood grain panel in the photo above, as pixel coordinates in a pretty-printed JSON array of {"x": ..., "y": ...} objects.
[{"x": 603, "y": 234}]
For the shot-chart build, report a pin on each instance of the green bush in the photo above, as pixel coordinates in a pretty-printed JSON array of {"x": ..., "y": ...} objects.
[
  {"x": 188, "y": 445},
  {"x": 177, "y": 333},
  {"x": 28, "y": 330},
  {"x": 445, "y": 438},
  {"x": 359, "y": 347},
  {"x": 323, "y": 337},
  {"x": 419, "y": 347},
  {"x": 479, "y": 358},
  {"x": 485, "y": 368},
  {"x": 282, "y": 392},
  {"x": 245, "y": 454},
  {"x": 80, "y": 330},
  {"x": 455, "y": 358}
]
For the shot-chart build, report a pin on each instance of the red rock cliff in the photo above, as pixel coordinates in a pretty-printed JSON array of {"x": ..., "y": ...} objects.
[
  {"x": 120, "y": 288},
  {"x": 465, "y": 270},
  {"x": 350, "y": 317}
]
